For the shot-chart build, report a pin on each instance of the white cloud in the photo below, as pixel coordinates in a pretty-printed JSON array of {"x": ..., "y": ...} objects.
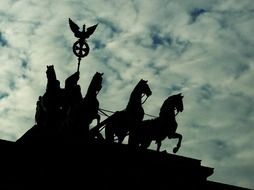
[{"x": 209, "y": 59}]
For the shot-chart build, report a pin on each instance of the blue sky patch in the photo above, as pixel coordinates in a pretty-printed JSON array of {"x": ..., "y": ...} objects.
[
  {"x": 3, "y": 95},
  {"x": 195, "y": 13}
]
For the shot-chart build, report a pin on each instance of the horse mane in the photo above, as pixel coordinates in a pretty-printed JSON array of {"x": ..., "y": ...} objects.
[
  {"x": 169, "y": 103},
  {"x": 139, "y": 83},
  {"x": 133, "y": 96}
]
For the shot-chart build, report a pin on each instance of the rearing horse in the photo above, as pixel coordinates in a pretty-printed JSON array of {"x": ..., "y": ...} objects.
[
  {"x": 163, "y": 126},
  {"x": 52, "y": 99},
  {"x": 124, "y": 122},
  {"x": 90, "y": 102},
  {"x": 87, "y": 110}
]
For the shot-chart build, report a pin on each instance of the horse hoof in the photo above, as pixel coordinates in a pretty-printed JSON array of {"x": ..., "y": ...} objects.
[{"x": 175, "y": 149}]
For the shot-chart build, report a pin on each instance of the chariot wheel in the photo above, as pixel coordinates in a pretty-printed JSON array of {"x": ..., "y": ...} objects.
[{"x": 80, "y": 48}]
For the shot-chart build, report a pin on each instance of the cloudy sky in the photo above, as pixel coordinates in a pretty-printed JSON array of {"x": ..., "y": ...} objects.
[{"x": 204, "y": 49}]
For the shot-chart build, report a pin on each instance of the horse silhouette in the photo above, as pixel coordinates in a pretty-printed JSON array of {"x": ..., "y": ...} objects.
[
  {"x": 72, "y": 93},
  {"x": 124, "y": 122},
  {"x": 163, "y": 126},
  {"x": 82, "y": 115},
  {"x": 52, "y": 98},
  {"x": 40, "y": 114},
  {"x": 48, "y": 114}
]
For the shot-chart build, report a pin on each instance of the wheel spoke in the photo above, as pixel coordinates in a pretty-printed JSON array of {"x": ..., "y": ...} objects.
[{"x": 80, "y": 49}]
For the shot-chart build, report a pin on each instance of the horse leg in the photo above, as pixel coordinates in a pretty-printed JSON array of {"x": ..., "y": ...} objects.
[
  {"x": 109, "y": 134},
  {"x": 120, "y": 139},
  {"x": 158, "y": 142},
  {"x": 133, "y": 138},
  {"x": 178, "y": 145},
  {"x": 98, "y": 118}
]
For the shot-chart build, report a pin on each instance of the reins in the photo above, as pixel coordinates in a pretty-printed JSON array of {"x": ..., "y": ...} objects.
[
  {"x": 145, "y": 99},
  {"x": 102, "y": 112}
]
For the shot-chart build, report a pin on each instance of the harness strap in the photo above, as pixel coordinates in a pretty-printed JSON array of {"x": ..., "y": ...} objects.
[
  {"x": 102, "y": 111},
  {"x": 177, "y": 113},
  {"x": 144, "y": 100}
]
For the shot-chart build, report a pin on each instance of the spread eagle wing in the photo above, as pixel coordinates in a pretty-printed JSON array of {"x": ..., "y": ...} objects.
[
  {"x": 90, "y": 30},
  {"x": 75, "y": 28}
]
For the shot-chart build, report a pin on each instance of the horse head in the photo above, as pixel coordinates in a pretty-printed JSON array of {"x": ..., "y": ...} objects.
[
  {"x": 178, "y": 102},
  {"x": 144, "y": 87},
  {"x": 52, "y": 83},
  {"x": 172, "y": 103},
  {"x": 51, "y": 74},
  {"x": 96, "y": 83}
]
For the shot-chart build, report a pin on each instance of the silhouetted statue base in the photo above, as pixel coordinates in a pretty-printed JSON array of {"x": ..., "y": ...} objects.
[{"x": 99, "y": 166}]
